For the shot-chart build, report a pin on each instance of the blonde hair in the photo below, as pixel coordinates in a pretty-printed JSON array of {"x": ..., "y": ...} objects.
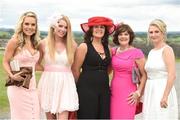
[
  {"x": 19, "y": 30},
  {"x": 161, "y": 26},
  {"x": 50, "y": 40}
]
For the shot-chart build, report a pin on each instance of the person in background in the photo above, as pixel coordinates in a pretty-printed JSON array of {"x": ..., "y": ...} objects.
[
  {"x": 57, "y": 89},
  {"x": 160, "y": 100},
  {"x": 93, "y": 56},
  {"x": 23, "y": 47},
  {"x": 124, "y": 93}
]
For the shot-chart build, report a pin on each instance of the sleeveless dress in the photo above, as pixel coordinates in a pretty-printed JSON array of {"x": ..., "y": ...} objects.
[
  {"x": 24, "y": 103},
  {"x": 57, "y": 89},
  {"x": 121, "y": 84},
  {"x": 93, "y": 85},
  {"x": 154, "y": 89}
]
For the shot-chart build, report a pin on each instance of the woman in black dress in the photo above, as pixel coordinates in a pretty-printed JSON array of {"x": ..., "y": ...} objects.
[{"x": 93, "y": 56}]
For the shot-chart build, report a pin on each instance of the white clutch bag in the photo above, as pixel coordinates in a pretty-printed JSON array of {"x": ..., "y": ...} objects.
[{"x": 14, "y": 64}]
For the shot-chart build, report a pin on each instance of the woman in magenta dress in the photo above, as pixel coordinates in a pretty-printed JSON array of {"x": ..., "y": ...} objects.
[
  {"x": 125, "y": 93},
  {"x": 22, "y": 47}
]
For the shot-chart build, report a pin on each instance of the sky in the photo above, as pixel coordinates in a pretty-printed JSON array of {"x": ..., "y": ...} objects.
[{"x": 137, "y": 13}]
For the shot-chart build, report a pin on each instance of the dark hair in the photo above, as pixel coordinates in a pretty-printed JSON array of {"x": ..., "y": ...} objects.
[
  {"x": 123, "y": 28},
  {"x": 88, "y": 35}
]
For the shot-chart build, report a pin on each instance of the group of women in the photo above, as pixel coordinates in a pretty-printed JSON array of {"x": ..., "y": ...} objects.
[{"x": 76, "y": 78}]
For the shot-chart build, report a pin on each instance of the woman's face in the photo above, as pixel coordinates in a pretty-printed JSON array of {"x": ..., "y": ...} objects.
[
  {"x": 29, "y": 26},
  {"x": 124, "y": 38},
  {"x": 61, "y": 28},
  {"x": 155, "y": 34},
  {"x": 98, "y": 31}
]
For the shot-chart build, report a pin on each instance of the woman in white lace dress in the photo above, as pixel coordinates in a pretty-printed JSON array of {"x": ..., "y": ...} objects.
[
  {"x": 160, "y": 100},
  {"x": 57, "y": 87}
]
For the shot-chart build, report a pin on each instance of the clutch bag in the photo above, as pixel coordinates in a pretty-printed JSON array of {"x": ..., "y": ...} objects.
[
  {"x": 135, "y": 75},
  {"x": 26, "y": 73}
]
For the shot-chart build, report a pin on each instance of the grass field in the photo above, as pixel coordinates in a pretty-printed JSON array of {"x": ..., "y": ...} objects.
[{"x": 4, "y": 106}]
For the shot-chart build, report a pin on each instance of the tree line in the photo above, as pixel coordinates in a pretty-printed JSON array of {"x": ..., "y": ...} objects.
[{"x": 139, "y": 42}]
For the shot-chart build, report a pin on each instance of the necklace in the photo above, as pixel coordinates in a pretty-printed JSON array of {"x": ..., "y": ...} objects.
[
  {"x": 119, "y": 50},
  {"x": 102, "y": 55}
]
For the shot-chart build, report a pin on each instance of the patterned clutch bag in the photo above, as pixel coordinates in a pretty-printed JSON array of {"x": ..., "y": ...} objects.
[{"x": 135, "y": 75}]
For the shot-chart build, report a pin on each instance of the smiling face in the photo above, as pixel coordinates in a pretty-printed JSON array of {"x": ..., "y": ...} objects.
[
  {"x": 29, "y": 26},
  {"x": 124, "y": 38},
  {"x": 61, "y": 28},
  {"x": 155, "y": 34},
  {"x": 98, "y": 31}
]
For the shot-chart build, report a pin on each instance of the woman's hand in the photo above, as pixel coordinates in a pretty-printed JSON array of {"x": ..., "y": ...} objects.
[
  {"x": 133, "y": 97},
  {"x": 163, "y": 102},
  {"x": 17, "y": 77}
]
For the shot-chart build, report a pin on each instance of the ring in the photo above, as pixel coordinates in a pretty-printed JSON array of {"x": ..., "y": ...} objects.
[{"x": 164, "y": 106}]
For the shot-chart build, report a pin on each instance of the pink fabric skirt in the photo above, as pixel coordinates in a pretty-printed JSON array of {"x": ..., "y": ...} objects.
[{"x": 24, "y": 103}]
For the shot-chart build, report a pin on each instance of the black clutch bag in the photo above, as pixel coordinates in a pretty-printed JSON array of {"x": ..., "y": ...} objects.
[{"x": 26, "y": 73}]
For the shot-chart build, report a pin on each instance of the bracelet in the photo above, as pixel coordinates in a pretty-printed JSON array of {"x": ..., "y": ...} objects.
[{"x": 138, "y": 93}]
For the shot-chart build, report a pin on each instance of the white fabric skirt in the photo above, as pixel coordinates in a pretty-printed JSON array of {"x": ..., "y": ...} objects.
[
  {"x": 57, "y": 92},
  {"x": 153, "y": 94}
]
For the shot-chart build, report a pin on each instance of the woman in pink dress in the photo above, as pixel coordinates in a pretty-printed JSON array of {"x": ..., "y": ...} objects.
[
  {"x": 57, "y": 89},
  {"x": 125, "y": 93},
  {"x": 22, "y": 47}
]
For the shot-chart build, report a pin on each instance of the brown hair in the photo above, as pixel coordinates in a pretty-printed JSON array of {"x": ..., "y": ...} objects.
[{"x": 123, "y": 28}]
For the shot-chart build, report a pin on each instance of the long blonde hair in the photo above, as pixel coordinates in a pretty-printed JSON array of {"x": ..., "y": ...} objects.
[
  {"x": 50, "y": 40},
  {"x": 19, "y": 30}
]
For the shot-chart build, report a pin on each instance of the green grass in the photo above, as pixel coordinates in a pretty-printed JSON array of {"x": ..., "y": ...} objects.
[
  {"x": 3, "y": 94},
  {"x": 177, "y": 59}
]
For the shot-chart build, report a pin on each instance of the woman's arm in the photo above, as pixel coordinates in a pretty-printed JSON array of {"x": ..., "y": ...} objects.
[
  {"x": 141, "y": 63},
  {"x": 10, "y": 51},
  {"x": 8, "y": 55},
  {"x": 39, "y": 66},
  {"x": 78, "y": 60},
  {"x": 134, "y": 96},
  {"x": 169, "y": 59}
]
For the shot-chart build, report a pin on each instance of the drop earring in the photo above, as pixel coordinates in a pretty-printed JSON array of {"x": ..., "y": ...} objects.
[{"x": 91, "y": 39}]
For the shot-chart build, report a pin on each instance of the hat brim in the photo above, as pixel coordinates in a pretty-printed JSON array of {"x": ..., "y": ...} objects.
[{"x": 85, "y": 28}]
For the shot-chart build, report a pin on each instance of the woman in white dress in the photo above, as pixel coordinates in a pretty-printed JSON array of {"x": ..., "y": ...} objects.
[
  {"x": 160, "y": 100},
  {"x": 57, "y": 87}
]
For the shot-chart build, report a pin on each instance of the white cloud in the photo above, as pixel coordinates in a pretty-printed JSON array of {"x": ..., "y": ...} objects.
[{"x": 137, "y": 13}]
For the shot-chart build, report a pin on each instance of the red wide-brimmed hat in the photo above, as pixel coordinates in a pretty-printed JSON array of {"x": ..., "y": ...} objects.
[{"x": 98, "y": 20}]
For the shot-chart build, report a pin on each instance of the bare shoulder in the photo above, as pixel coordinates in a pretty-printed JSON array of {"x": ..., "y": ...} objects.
[
  {"x": 13, "y": 40},
  {"x": 42, "y": 42},
  {"x": 82, "y": 49},
  {"x": 82, "y": 46},
  {"x": 168, "y": 49},
  {"x": 12, "y": 44},
  {"x": 168, "y": 53}
]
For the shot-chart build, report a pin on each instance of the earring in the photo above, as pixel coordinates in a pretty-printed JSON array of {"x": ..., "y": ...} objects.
[{"x": 91, "y": 39}]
